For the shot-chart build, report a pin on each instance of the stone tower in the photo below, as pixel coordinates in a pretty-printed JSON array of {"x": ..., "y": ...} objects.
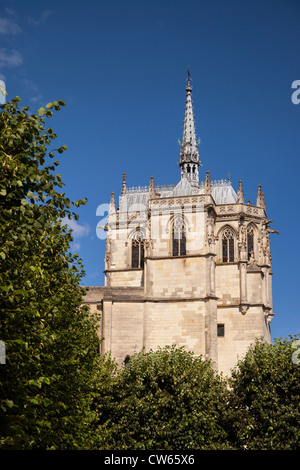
[{"x": 186, "y": 264}]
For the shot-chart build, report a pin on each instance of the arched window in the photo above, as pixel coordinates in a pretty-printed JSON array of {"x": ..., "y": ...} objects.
[
  {"x": 178, "y": 237},
  {"x": 227, "y": 246},
  {"x": 137, "y": 250},
  {"x": 250, "y": 241}
]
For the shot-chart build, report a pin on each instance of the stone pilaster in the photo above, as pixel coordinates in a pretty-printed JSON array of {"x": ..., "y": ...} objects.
[
  {"x": 211, "y": 345},
  {"x": 107, "y": 326}
]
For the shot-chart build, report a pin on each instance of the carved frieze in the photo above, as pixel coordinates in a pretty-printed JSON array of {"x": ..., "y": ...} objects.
[{"x": 239, "y": 208}]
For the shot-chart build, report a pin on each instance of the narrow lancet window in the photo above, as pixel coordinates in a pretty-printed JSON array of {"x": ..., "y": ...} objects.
[
  {"x": 228, "y": 247},
  {"x": 137, "y": 251},
  {"x": 137, "y": 259},
  {"x": 250, "y": 241},
  {"x": 178, "y": 238},
  {"x": 135, "y": 254}
]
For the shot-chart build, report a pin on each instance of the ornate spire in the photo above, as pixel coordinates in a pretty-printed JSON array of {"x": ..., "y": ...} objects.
[
  {"x": 240, "y": 193},
  {"x": 259, "y": 197},
  {"x": 189, "y": 155},
  {"x": 207, "y": 183},
  {"x": 263, "y": 200},
  {"x": 123, "y": 185},
  {"x": 112, "y": 211},
  {"x": 260, "y": 200},
  {"x": 112, "y": 204},
  {"x": 151, "y": 187}
]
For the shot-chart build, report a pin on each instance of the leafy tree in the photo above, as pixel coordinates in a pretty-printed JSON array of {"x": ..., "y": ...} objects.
[
  {"x": 264, "y": 404},
  {"x": 47, "y": 383},
  {"x": 167, "y": 399}
]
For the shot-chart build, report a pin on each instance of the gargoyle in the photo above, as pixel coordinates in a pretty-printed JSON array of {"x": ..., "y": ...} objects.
[{"x": 270, "y": 230}]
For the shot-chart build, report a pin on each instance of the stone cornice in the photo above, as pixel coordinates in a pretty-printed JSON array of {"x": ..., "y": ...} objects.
[
  {"x": 181, "y": 200},
  {"x": 170, "y": 257},
  {"x": 249, "y": 304},
  {"x": 122, "y": 270},
  {"x": 118, "y": 297},
  {"x": 240, "y": 210}
]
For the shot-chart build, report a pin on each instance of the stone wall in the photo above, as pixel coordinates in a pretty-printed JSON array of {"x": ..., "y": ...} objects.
[
  {"x": 176, "y": 278},
  {"x": 240, "y": 331},
  {"x": 228, "y": 284},
  {"x": 178, "y": 323},
  {"x": 126, "y": 277},
  {"x": 180, "y": 300}
]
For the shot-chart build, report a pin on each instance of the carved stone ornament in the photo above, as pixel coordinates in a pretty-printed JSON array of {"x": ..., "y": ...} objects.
[
  {"x": 265, "y": 243},
  {"x": 210, "y": 229},
  {"x": 108, "y": 253},
  {"x": 244, "y": 309},
  {"x": 242, "y": 237},
  {"x": 148, "y": 245}
]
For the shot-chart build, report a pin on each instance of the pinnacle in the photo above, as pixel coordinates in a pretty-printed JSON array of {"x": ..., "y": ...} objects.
[{"x": 189, "y": 155}]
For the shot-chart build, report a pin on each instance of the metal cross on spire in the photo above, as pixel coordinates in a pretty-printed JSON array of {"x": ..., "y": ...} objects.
[{"x": 189, "y": 78}]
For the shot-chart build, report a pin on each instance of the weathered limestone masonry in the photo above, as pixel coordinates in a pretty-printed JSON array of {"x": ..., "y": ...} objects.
[{"x": 186, "y": 264}]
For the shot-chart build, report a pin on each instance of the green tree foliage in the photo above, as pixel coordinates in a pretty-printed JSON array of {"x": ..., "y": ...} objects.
[
  {"x": 264, "y": 404},
  {"x": 56, "y": 391},
  {"x": 47, "y": 382},
  {"x": 167, "y": 399}
]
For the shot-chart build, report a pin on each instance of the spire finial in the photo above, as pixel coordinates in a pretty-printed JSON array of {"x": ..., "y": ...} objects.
[
  {"x": 123, "y": 185},
  {"x": 189, "y": 86},
  {"x": 189, "y": 154},
  {"x": 207, "y": 183},
  {"x": 259, "y": 199},
  {"x": 112, "y": 209},
  {"x": 151, "y": 187},
  {"x": 240, "y": 193}
]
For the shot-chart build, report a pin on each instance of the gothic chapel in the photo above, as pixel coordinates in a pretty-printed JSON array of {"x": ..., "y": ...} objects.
[{"x": 186, "y": 264}]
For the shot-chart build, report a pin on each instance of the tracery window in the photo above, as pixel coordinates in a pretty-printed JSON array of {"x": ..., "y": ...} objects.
[
  {"x": 227, "y": 246},
  {"x": 137, "y": 250},
  {"x": 178, "y": 237},
  {"x": 250, "y": 241}
]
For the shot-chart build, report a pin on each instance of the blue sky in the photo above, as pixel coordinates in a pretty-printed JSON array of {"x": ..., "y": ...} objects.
[{"x": 120, "y": 66}]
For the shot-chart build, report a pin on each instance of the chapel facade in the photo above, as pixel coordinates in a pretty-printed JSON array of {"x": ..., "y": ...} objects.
[{"x": 186, "y": 264}]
